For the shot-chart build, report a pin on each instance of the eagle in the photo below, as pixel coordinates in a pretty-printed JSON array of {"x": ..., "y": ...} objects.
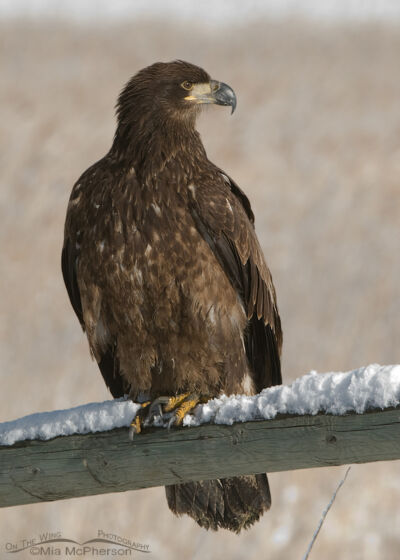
[{"x": 166, "y": 275}]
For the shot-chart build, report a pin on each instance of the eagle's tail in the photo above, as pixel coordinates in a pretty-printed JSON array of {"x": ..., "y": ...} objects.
[{"x": 229, "y": 503}]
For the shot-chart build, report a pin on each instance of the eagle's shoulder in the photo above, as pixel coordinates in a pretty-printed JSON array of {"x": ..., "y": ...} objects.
[
  {"x": 97, "y": 184},
  {"x": 236, "y": 192},
  {"x": 225, "y": 212}
]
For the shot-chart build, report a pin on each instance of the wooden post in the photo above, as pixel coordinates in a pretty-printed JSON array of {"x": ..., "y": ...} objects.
[{"x": 83, "y": 465}]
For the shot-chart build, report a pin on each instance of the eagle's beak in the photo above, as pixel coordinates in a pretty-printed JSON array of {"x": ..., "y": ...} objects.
[{"x": 213, "y": 92}]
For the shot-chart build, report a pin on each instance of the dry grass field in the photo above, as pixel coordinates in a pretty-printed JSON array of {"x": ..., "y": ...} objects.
[{"x": 315, "y": 142}]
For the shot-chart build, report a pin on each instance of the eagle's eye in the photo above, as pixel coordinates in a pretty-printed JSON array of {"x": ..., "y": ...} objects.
[{"x": 187, "y": 85}]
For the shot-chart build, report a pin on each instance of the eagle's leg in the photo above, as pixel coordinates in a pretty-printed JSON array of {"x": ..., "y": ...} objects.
[{"x": 138, "y": 421}]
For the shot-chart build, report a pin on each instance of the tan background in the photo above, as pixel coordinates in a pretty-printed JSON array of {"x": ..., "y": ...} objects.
[{"x": 315, "y": 144}]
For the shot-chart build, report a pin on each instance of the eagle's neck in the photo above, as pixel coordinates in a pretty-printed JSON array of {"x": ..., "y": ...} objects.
[{"x": 160, "y": 149}]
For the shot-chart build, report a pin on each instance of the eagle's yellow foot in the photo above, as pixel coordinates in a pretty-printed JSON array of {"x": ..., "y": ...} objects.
[
  {"x": 173, "y": 409},
  {"x": 170, "y": 403},
  {"x": 138, "y": 421},
  {"x": 169, "y": 409},
  {"x": 182, "y": 407}
]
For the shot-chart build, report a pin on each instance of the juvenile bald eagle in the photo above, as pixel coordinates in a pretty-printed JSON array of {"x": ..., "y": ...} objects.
[{"x": 165, "y": 273}]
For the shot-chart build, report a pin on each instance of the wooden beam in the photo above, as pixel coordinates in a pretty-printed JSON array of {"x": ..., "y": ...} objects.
[{"x": 83, "y": 465}]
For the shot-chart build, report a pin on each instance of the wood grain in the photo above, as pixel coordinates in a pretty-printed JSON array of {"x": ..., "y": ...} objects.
[{"x": 82, "y": 465}]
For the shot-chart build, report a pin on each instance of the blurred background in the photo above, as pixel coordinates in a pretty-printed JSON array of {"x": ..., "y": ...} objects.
[{"x": 314, "y": 142}]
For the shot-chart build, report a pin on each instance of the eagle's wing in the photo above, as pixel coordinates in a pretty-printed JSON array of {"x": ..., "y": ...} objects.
[
  {"x": 223, "y": 216},
  {"x": 68, "y": 265},
  {"x": 107, "y": 360}
]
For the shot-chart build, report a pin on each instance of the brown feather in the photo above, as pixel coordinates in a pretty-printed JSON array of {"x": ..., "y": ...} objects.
[{"x": 166, "y": 276}]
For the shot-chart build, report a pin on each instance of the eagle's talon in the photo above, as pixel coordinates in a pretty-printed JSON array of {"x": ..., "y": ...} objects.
[
  {"x": 132, "y": 432},
  {"x": 134, "y": 428},
  {"x": 138, "y": 421},
  {"x": 156, "y": 405},
  {"x": 171, "y": 422}
]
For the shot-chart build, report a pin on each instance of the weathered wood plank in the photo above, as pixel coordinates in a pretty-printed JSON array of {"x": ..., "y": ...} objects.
[{"x": 73, "y": 466}]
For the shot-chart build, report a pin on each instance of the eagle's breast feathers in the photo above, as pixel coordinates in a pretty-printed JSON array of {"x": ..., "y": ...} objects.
[{"x": 155, "y": 290}]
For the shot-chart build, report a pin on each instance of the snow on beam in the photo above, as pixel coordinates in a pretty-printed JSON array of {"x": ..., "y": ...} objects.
[
  {"x": 82, "y": 465},
  {"x": 317, "y": 432}
]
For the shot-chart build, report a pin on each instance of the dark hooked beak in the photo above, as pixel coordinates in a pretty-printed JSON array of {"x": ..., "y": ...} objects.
[
  {"x": 212, "y": 92},
  {"x": 223, "y": 94}
]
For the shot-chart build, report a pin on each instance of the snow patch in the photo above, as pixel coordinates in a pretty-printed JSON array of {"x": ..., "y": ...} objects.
[
  {"x": 369, "y": 387},
  {"x": 373, "y": 386},
  {"x": 93, "y": 417}
]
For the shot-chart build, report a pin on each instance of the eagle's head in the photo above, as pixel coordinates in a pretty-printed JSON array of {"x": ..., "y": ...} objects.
[{"x": 172, "y": 90}]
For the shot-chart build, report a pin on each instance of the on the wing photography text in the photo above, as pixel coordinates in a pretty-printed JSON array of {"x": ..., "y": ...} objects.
[{"x": 55, "y": 544}]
